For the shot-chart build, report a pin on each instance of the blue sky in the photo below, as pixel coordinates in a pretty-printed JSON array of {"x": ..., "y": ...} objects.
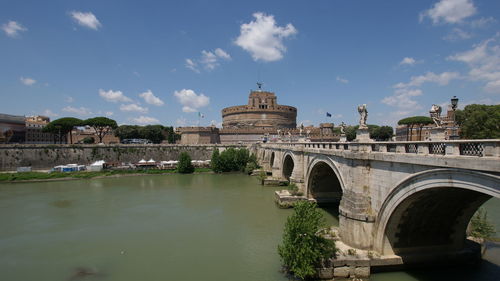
[{"x": 148, "y": 62}]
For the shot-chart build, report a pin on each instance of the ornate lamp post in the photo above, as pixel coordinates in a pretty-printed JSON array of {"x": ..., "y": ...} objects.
[{"x": 454, "y": 104}]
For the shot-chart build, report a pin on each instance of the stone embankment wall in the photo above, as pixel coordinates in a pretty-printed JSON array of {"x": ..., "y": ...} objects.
[{"x": 48, "y": 156}]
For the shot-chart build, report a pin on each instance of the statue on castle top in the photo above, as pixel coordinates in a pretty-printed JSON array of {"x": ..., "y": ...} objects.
[
  {"x": 363, "y": 115},
  {"x": 435, "y": 113},
  {"x": 301, "y": 128}
]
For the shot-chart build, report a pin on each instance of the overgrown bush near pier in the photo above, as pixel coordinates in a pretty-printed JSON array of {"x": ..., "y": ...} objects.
[{"x": 303, "y": 249}]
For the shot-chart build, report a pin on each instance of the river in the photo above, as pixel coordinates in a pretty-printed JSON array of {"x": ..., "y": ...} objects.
[{"x": 172, "y": 227}]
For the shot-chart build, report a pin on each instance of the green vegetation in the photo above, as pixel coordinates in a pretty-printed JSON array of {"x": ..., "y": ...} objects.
[
  {"x": 13, "y": 177},
  {"x": 380, "y": 133},
  {"x": 480, "y": 226},
  {"x": 479, "y": 121},
  {"x": 88, "y": 140},
  {"x": 302, "y": 250},
  {"x": 184, "y": 166},
  {"x": 101, "y": 125},
  {"x": 61, "y": 127},
  {"x": 233, "y": 160},
  {"x": 154, "y": 133},
  {"x": 415, "y": 121},
  {"x": 294, "y": 190}
]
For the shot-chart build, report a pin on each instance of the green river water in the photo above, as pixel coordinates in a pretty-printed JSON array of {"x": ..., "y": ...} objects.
[{"x": 172, "y": 227}]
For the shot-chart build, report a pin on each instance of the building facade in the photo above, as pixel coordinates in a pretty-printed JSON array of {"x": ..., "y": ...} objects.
[
  {"x": 34, "y": 130},
  {"x": 12, "y": 129}
]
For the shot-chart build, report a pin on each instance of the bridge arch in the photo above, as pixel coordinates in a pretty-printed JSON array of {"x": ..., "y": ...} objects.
[
  {"x": 324, "y": 181},
  {"x": 288, "y": 165},
  {"x": 430, "y": 211}
]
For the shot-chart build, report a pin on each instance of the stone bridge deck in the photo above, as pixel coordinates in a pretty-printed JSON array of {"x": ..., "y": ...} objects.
[{"x": 395, "y": 198}]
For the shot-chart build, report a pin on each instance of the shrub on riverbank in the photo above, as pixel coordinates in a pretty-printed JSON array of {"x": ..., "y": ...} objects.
[
  {"x": 184, "y": 166},
  {"x": 302, "y": 250},
  {"x": 480, "y": 226},
  {"x": 232, "y": 160}
]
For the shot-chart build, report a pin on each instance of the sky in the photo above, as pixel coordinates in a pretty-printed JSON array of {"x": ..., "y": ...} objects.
[{"x": 164, "y": 62}]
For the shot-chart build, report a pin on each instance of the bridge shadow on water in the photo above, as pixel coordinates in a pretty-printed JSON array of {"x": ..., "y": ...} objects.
[
  {"x": 332, "y": 213},
  {"x": 484, "y": 271}
]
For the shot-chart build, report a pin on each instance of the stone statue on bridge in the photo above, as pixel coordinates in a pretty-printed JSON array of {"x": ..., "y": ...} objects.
[
  {"x": 342, "y": 128},
  {"x": 435, "y": 113},
  {"x": 363, "y": 116}
]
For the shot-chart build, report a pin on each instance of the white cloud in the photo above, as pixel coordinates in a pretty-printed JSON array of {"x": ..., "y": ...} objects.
[
  {"x": 263, "y": 39},
  {"x": 150, "y": 98},
  {"x": 482, "y": 22},
  {"x": 408, "y": 61},
  {"x": 484, "y": 63},
  {"x": 133, "y": 108},
  {"x": 145, "y": 120},
  {"x": 342, "y": 80},
  {"x": 450, "y": 11},
  {"x": 209, "y": 60},
  {"x": 113, "y": 96},
  {"x": 190, "y": 100},
  {"x": 441, "y": 79},
  {"x": 86, "y": 19},
  {"x": 49, "y": 113},
  {"x": 222, "y": 54},
  {"x": 13, "y": 28},
  {"x": 404, "y": 94},
  {"x": 69, "y": 99},
  {"x": 192, "y": 65},
  {"x": 27, "y": 81},
  {"x": 402, "y": 98},
  {"x": 457, "y": 34},
  {"x": 78, "y": 111}
]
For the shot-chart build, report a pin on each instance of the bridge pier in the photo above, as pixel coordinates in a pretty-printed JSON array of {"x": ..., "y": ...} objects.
[
  {"x": 356, "y": 220},
  {"x": 276, "y": 165},
  {"x": 297, "y": 176}
]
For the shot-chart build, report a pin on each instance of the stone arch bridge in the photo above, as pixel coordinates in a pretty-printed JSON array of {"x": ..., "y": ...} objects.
[{"x": 395, "y": 198}]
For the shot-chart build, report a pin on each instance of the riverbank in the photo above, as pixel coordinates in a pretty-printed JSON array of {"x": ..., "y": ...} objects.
[{"x": 59, "y": 176}]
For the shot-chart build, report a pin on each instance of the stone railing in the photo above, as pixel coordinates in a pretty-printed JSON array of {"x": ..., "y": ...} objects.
[{"x": 475, "y": 148}]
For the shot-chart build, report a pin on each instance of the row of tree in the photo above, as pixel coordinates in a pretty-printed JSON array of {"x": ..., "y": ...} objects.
[
  {"x": 63, "y": 126},
  {"x": 380, "y": 133},
  {"x": 154, "y": 133}
]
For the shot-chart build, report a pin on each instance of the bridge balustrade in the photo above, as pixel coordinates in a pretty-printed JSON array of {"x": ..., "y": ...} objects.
[{"x": 474, "y": 148}]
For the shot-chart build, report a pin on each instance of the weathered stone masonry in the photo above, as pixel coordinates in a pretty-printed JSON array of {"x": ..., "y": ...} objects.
[{"x": 48, "y": 156}]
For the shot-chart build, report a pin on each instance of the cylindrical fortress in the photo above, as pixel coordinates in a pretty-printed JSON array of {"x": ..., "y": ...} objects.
[{"x": 262, "y": 111}]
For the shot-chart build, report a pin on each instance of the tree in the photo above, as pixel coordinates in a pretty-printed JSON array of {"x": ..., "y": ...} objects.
[
  {"x": 350, "y": 132},
  {"x": 62, "y": 127},
  {"x": 128, "y": 132},
  {"x": 376, "y": 132},
  {"x": 383, "y": 133},
  {"x": 302, "y": 249},
  {"x": 154, "y": 133},
  {"x": 215, "y": 161},
  {"x": 479, "y": 121},
  {"x": 418, "y": 121},
  {"x": 101, "y": 125},
  {"x": 480, "y": 227},
  {"x": 88, "y": 140},
  {"x": 184, "y": 166}
]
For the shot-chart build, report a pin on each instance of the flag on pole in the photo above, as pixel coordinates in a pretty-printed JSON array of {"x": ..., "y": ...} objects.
[{"x": 328, "y": 114}]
